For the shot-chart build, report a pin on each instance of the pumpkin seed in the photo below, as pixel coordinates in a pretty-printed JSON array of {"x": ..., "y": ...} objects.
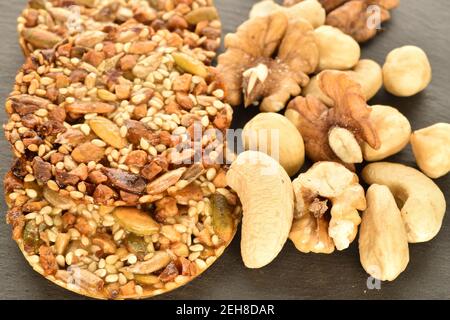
[
  {"x": 136, "y": 221},
  {"x": 190, "y": 64},
  {"x": 108, "y": 131},
  {"x": 202, "y": 14},
  {"x": 222, "y": 220}
]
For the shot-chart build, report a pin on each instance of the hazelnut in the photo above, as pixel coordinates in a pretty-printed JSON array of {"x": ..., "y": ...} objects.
[
  {"x": 406, "y": 71},
  {"x": 431, "y": 147},
  {"x": 338, "y": 51},
  {"x": 393, "y": 129},
  {"x": 259, "y": 134}
]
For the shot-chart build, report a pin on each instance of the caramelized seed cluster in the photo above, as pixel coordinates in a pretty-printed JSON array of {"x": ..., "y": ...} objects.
[
  {"x": 45, "y": 23},
  {"x": 105, "y": 194}
]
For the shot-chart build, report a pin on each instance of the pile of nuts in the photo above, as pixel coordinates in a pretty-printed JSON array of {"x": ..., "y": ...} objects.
[
  {"x": 112, "y": 195},
  {"x": 354, "y": 17},
  {"x": 287, "y": 58}
]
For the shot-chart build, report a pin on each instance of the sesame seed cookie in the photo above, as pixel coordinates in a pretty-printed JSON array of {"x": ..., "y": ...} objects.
[
  {"x": 45, "y": 23},
  {"x": 118, "y": 188}
]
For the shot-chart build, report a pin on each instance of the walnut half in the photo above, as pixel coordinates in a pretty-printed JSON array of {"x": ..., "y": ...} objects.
[
  {"x": 334, "y": 134},
  {"x": 268, "y": 59},
  {"x": 327, "y": 199}
]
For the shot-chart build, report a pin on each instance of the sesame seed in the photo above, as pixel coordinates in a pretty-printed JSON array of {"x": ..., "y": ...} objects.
[
  {"x": 80, "y": 252},
  {"x": 41, "y": 150},
  {"x": 48, "y": 220},
  {"x": 218, "y": 105},
  {"x": 211, "y": 174},
  {"x": 119, "y": 234},
  {"x": 41, "y": 113},
  {"x": 31, "y": 216},
  {"x": 39, "y": 219},
  {"x": 196, "y": 248},
  {"x": 192, "y": 211},
  {"x": 194, "y": 255},
  {"x": 29, "y": 178},
  {"x": 92, "y": 266},
  {"x": 144, "y": 144},
  {"x": 215, "y": 240},
  {"x": 100, "y": 272},
  {"x": 111, "y": 278},
  {"x": 60, "y": 260},
  {"x": 123, "y": 131},
  {"x": 69, "y": 258},
  {"x": 201, "y": 264},
  {"x": 34, "y": 259},
  {"x": 111, "y": 269},
  {"x": 210, "y": 260},
  {"x": 211, "y": 111},
  {"x": 19, "y": 146},
  {"x": 76, "y": 194},
  {"x": 180, "y": 228},
  {"x": 122, "y": 279},
  {"x": 152, "y": 150},
  {"x": 85, "y": 129},
  {"x": 139, "y": 290},
  {"x": 52, "y": 185},
  {"x": 181, "y": 184},
  {"x": 205, "y": 121},
  {"x": 132, "y": 259},
  {"x": 85, "y": 241},
  {"x": 31, "y": 193},
  {"x": 218, "y": 93},
  {"x": 102, "y": 263},
  {"x": 111, "y": 259}
]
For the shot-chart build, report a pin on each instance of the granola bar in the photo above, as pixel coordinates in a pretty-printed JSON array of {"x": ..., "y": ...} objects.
[
  {"x": 106, "y": 196},
  {"x": 45, "y": 23}
]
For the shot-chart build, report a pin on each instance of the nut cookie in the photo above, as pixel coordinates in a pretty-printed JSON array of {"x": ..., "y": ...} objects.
[
  {"x": 118, "y": 189},
  {"x": 45, "y": 23}
]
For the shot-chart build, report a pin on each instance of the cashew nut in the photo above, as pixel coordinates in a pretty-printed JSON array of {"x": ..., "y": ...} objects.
[
  {"x": 421, "y": 202},
  {"x": 383, "y": 242},
  {"x": 310, "y": 10},
  {"x": 406, "y": 71},
  {"x": 267, "y": 198},
  {"x": 431, "y": 147},
  {"x": 366, "y": 72},
  {"x": 393, "y": 130},
  {"x": 338, "y": 51},
  {"x": 275, "y": 135},
  {"x": 315, "y": 228}
]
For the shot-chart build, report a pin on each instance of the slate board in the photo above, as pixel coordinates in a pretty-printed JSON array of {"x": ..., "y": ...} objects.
[{"x": 292, "y": 275}]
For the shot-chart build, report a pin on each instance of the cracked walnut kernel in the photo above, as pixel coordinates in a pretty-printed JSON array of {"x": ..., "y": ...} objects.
[
  {"x": 327, "y": 199},
  {"x": 317, "y": 123},
  {"x": 268, "y": 59}
]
